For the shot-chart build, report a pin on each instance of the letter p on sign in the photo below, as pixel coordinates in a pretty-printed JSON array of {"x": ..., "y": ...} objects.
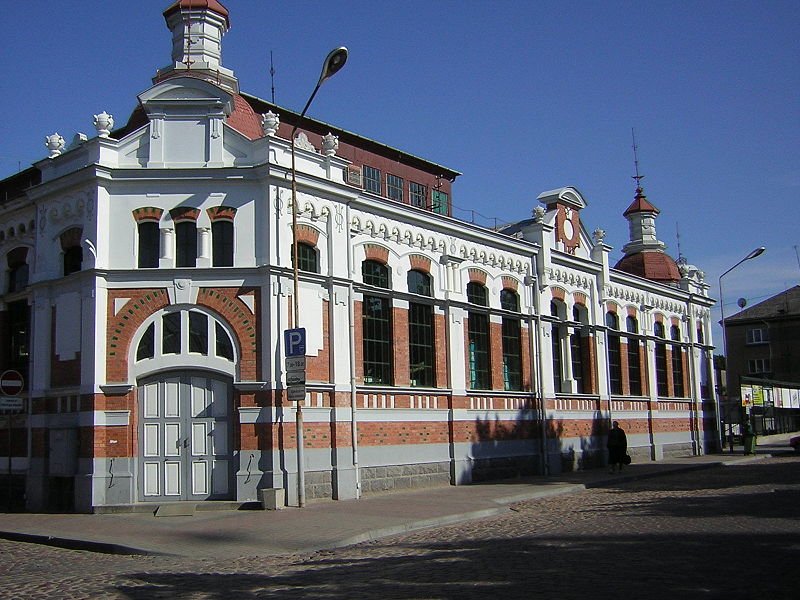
[{"x": 294, "y": 341}]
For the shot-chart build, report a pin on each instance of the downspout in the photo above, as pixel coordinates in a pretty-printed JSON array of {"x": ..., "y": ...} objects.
[
  {"x": 537, "y": 365},
  {"x": 353, "y": 396}
]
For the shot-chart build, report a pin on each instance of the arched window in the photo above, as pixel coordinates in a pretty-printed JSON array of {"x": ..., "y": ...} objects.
[
  {"x": 614, "y": 353},
  {"x": 662, "y": 387},
  {"x": 185, "y": 244},
  {"x": 634, "y": 356},
  {"x": 182, "y": 332},
  {"x": 578, "y": 345},
  {"x": 72, "y": 257},
  {"x": 376, "y": 325},
  {"x": 306, "y": 258},
  {"x": 148, "y": 244},
  {"x": 512, "y": 342},
  {"x": 677, "y": 362},
  {"x": 17, "y": 261},
  {"x": 478, "y": 337},
  {"x": 222, "y": 243},
  {"x": 421, "y": 334},
  {"x": 556, "y": 337}
]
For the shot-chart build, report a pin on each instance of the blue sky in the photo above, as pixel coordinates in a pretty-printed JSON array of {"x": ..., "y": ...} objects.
[{"x": 519, "y": 96}]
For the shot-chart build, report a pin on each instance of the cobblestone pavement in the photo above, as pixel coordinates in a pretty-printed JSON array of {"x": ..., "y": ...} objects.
[{"x": 729, "y": 532}]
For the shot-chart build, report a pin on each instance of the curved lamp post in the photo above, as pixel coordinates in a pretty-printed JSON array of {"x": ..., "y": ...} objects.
[
  {"x": 757, "y": 252},
  {"x": 332, "y": 65}
]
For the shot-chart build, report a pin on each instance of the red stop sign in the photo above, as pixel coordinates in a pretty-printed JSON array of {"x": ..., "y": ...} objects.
[{"x": 11, "y": 383}]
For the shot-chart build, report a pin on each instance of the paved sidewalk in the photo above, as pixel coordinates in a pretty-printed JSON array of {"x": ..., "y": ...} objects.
[{"x": 322, "y": 524}]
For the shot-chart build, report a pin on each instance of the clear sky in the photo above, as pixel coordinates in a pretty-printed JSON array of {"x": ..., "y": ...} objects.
[{"x": 520, "y": 96}]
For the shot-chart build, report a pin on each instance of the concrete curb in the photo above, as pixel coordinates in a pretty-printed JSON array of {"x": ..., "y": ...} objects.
[{"x": 78, "y": 544}]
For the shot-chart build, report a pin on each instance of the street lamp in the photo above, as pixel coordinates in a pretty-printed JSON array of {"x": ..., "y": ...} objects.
[
  {"x": 332, "y": 65},
  {"x": 757, "y": 252}
]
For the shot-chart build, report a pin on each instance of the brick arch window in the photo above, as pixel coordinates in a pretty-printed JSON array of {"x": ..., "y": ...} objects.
[
  {"x": 185, "y": 219},
  {"x": 18, "y": 270},
  {"x": 149, "y": 236},
  {"x": 558, "y": 332},
  {"x": 661, "y": 360},
  {"x": 614, "y": 349},
  {"x": 182, "y": 332},
  {"x": 222, "y": 235},
  {"x": 511, "y": 340},
  {"x": 677, "y": 362},
  {"x": 421, "y": 333},
  {"x": 579, "y": 349},
  {"x": 376, "y": 323},
  {"x": 478, "y": 336},
  {"x": 72, "y": 252},
  {"x": 634, "y": 355},
  {"x": 307, "y": 257}
]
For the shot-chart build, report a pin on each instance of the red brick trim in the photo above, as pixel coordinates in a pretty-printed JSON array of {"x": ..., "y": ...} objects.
[
  {"x": 477, "y": 276},
  {"x": 147, "y": 213},
  {"x": 558, "y": 293},
  {"x": 510, "y": 283},
  {"x": 308, "y": 235},
  {"x": 612, "y": 307},
  {"x": 580, "y": 298},
  {"x": 633, "y": 312},
  {"x": 420, "y": 263},
  {"x": 376, "y": 252},
  {"x": 184, "y": 213},
  {"x": 221, "y": 213}
]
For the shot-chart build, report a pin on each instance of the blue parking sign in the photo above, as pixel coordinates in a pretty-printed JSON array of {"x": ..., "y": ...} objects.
[{"x": 294, "y": 341}]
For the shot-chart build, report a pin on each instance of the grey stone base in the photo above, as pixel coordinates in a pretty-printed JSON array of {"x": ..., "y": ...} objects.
[
  {"x": 404, "y": 477},
  {"x": 486, "y": 469}
]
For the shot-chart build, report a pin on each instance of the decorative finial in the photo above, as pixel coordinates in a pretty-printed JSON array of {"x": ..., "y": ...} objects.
[
  {"x": 269, "y": 123},
  {"x": 103, "y": 122},
  {"x": 330, "y": 144},
  {"x": 599, "y": 235},
  {"x": 55, "y": 144},
  {"x": 538, "y": 213}
]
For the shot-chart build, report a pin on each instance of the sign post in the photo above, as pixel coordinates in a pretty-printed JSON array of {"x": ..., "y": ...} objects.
[
  {"x": 294, "y": 341},
  {"x": 11, "y": 384}
]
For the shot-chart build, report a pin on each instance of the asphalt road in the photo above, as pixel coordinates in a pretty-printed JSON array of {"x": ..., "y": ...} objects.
[{"x": 729, "y": 533}]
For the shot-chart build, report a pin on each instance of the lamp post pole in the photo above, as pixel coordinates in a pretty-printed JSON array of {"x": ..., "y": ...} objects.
[
  {"x": 757, "y": 252},
  {"x": 333, "y": 63}
]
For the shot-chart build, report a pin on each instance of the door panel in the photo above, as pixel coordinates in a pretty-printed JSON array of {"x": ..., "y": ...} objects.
[{"x": 185, "y": 432}]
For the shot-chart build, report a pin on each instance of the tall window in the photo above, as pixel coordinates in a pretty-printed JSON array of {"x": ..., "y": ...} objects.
[
  {"x": 222, "y": 243},
  {"x": 634, "y": 361},
  {"x": 439, "y": 202},
  {"x": 148, "y": 244},
  {"x": 171, "y": 333},
  {"x": 198, "y": 332},
  {"x": 72, "y": 257},
  {"x": 185, "y": 244},
  {"x": 556, "y": 335},
  {"x": 417, "y": 194},
  {"x": 306, "y": 258},
  {"x": 614, "y": 353},
  {"x": 377, "y": 325},
  {"x": 17, "y": 269},
  {"x": 394, "y": 187},
  {"x": 677, "y": 362},
  {"x": 661, "y": 360},
  {"x": 372, "y": 179},
  {"x": 478, "y": 338},
  {"x": 16, "y": 340},
  {"x": 577, "y": 346},
  {"x": 421, "y": 338},
  {"x": 512, "y": 343}
]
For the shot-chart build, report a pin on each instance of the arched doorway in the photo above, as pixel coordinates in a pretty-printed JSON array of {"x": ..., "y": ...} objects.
[{"x": 185, "y": 438}]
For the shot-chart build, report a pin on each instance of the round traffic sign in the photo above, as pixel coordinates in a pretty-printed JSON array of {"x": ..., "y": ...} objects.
[{"x": 11, "y": 383}]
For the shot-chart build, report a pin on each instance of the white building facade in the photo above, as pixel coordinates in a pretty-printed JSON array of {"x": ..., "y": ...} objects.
[{"x": 147, "y": 281}]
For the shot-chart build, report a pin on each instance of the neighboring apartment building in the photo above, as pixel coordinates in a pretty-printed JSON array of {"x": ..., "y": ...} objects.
[
  {"x": 147, "y": 281},
  {"x": 764, "y": 360}
]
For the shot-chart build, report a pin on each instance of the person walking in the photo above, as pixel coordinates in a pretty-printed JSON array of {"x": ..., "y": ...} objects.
[{"x": 617, "y": 447}]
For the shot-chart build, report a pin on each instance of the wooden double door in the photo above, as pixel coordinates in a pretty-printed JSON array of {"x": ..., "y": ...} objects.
[{"x": 185, "y": 435}]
